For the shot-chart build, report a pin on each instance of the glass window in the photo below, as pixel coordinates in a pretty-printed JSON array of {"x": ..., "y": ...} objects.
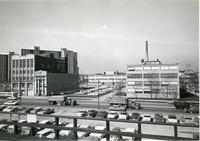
[
  {"x": 20, "y": 63},
  {"x": 164, "y": 83},
  {"x": 13, "y": 71},
  {"x": 173, "y": 67},
  {"x": 131, "y": 83},
  {"x": 169, "y": 75},
  {"x": 147, "y": 83},
  {"x": 139, "y": 75},
  {"x": 164, "y": 67},
  {"x": 138, "y": 83},
  {"x": 24, "y": 63},
  {"x": 14, "y": 63},
  {"x": 31, "y": 62},
  {"x": 28, "y": 65},
  {"x": 138, "y": 68},
  {"x": 131, "y": 68},
  {"x": 155, "y": 68},
  {"x": 151, "y": 75},
  {"x": 147, "y": 68}
]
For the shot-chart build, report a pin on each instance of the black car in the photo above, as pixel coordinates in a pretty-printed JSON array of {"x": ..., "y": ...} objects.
[
  {"x": 28, "y": 110},
  {"x": 49, "y": 111},
  {"x": 135, "y": 116},
  {"x": 158, "y": 117},
  {"x": 92, "y": 113},
  {"x": 102, "y": 114}
]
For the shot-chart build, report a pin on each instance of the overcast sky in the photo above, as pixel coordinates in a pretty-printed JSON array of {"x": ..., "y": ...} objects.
[{"x": 107, "y": 34}]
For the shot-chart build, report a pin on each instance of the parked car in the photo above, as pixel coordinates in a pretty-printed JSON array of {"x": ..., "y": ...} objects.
[
  {"x": 172, "y": 119},
  {"x": 46, "y": 111},
  {"x": 12, "y": 98},
  {"x": 36, "y": 110},
  {"x": 158, "y": 117},
  {"x": 81, "y": 113},
  {"x": 92, "y": 113},
  {"x": 101, "y": 114},
  {"x": 2, "y": 107},
  {"x": 147, "y": 117},
  {"x": 130, "y": 130},
  {"x": 112, "y": 115},
  {"x": 3, "y": 128},
  {"x": 9, "y": 109},
  {"x": 196, "y": 120},
  {"x": 135, "y": 116},
  {"x": 82, "y": 133},
  {"x": 27, "y": 110},
  {"x": 11, "y": 103},
  {"x": 186, "y": 120},
  {"x": 116, "y": 137},
  {"x": 98, "y": 135},
  {"x": 123, "y": 115}
]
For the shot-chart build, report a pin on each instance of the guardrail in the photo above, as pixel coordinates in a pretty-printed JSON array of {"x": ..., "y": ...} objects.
[{"x": 107, "y": 132}]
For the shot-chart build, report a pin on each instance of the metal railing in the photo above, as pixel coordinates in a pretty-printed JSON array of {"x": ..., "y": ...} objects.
[{"x": 138, "y": 135}]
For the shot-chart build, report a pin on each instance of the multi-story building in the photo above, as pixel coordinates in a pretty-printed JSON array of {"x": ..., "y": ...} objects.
[
  {"x": 67, "y": 56},
  {"x": 153, "y": 80},
  {"x": 107, "y": 78},
  {"x": 52, "y": 64},
  {"x": 5, "y": 67}
]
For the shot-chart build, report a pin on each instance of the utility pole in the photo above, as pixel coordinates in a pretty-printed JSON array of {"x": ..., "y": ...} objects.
[{"x": 98, "y": 95}]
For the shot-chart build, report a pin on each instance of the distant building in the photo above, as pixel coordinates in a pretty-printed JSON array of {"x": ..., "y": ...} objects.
[
  {"x": 5, "y": 67},
  {"x": 25, "y": 69},
  {"x": 152, "y": 79},
  {"x": 107, "y": 78}
]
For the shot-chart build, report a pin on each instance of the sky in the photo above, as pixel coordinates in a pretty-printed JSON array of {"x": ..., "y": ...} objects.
[{"x": 106, "y": 34}]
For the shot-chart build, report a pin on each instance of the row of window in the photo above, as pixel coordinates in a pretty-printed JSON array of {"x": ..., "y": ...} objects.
[
  {"x": 22, "y": 71},
  {"x": 153, "y": 75},
  {"x": 149, "y": 68},
  {"x": 22, "y": 63},
  {"x": 150, "y": 91},
  {"x": 152, "y": 83},
  {"x": 22, "y": 78}
]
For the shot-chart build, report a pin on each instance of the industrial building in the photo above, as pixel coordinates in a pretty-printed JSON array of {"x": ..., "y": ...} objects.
[
  {"x": 152, "y": 79},
  {"x": 53, "y": 64},
  {"x": 5, "y": 67},
  {"x": 107, "y": 78}
]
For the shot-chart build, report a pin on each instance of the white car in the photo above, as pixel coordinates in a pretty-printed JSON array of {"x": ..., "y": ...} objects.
[
  {"x": 130, "y": 130},
  {"x": 112, "y": 115},
  {"x": 123, "y": 115},
  {"x": 11, "y": 102},
  {"x": 8, "y": 109},
  {"x": 98, "y": 135},
  {"x": 172, "y": 119},
  {"x": 146, "y": 117}
]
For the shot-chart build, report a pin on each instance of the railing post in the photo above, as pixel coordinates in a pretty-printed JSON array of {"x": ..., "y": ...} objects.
[
  {"x": 175, "y": 131},
  {"x": 15, "y": 129},
  {"x": 139, "y": 131},
  {"x": 56, "y": 131},
  {"x": 108, "y": 129},
  {"x": 32, "y": 131},
  {"x": 75, "y": 132}
]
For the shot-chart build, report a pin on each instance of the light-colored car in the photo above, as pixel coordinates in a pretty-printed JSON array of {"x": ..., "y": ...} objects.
[
  {"x": 36, "y": 110},
  {"x": 9, "y": 109},
  {"x": 98, "y": 135},
  {"x": 172, "y": 119},
  {"x": 82, "y": 113},
  {"x": 186, "y": 120},
  {"x": 129, "y": 130},
  {"x": 146, "y": 117},
  {"x": 82, "y": 133},
  {"x": 123, "y": 115},
  {"x": 112, "y": 115},
  {"x": 11, "y": 102}
]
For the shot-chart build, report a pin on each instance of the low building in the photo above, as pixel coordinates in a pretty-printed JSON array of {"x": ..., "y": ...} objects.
[
  {"x": 153, "y": 80},
  {"x": 107, "y": 78},
  {"x": 46, "y": 83}
]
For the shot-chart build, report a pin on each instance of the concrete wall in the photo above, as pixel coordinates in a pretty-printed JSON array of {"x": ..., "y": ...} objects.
[{"x": 58, "y": 82}]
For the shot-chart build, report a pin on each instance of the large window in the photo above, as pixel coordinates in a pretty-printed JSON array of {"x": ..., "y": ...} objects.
[
  {"x": 134, "y": 75},
  {"x": 14, "y": 63},
  {"x": 169, "y": 75},
  {"x": 24, "y": 63},
  {"x": 151, "y": 83},
  {"x": 151, "y": 75},
  {"x": 20, "y": 63}
]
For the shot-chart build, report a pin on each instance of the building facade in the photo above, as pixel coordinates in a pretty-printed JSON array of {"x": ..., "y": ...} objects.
[
  {"x": 107, "y": 78},
  {"x": 153, "y": 80},
  {"x": 5, "y": 67},
  {"x": 26, "y": 79}
]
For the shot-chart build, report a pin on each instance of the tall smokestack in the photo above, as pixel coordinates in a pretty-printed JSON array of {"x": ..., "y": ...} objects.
[{"x": 146, "y": 51}]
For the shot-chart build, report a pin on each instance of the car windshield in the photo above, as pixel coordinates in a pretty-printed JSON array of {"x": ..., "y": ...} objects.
[
  {"x": 147, "y": 116},
  {"x": 172, "y": 116}
]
